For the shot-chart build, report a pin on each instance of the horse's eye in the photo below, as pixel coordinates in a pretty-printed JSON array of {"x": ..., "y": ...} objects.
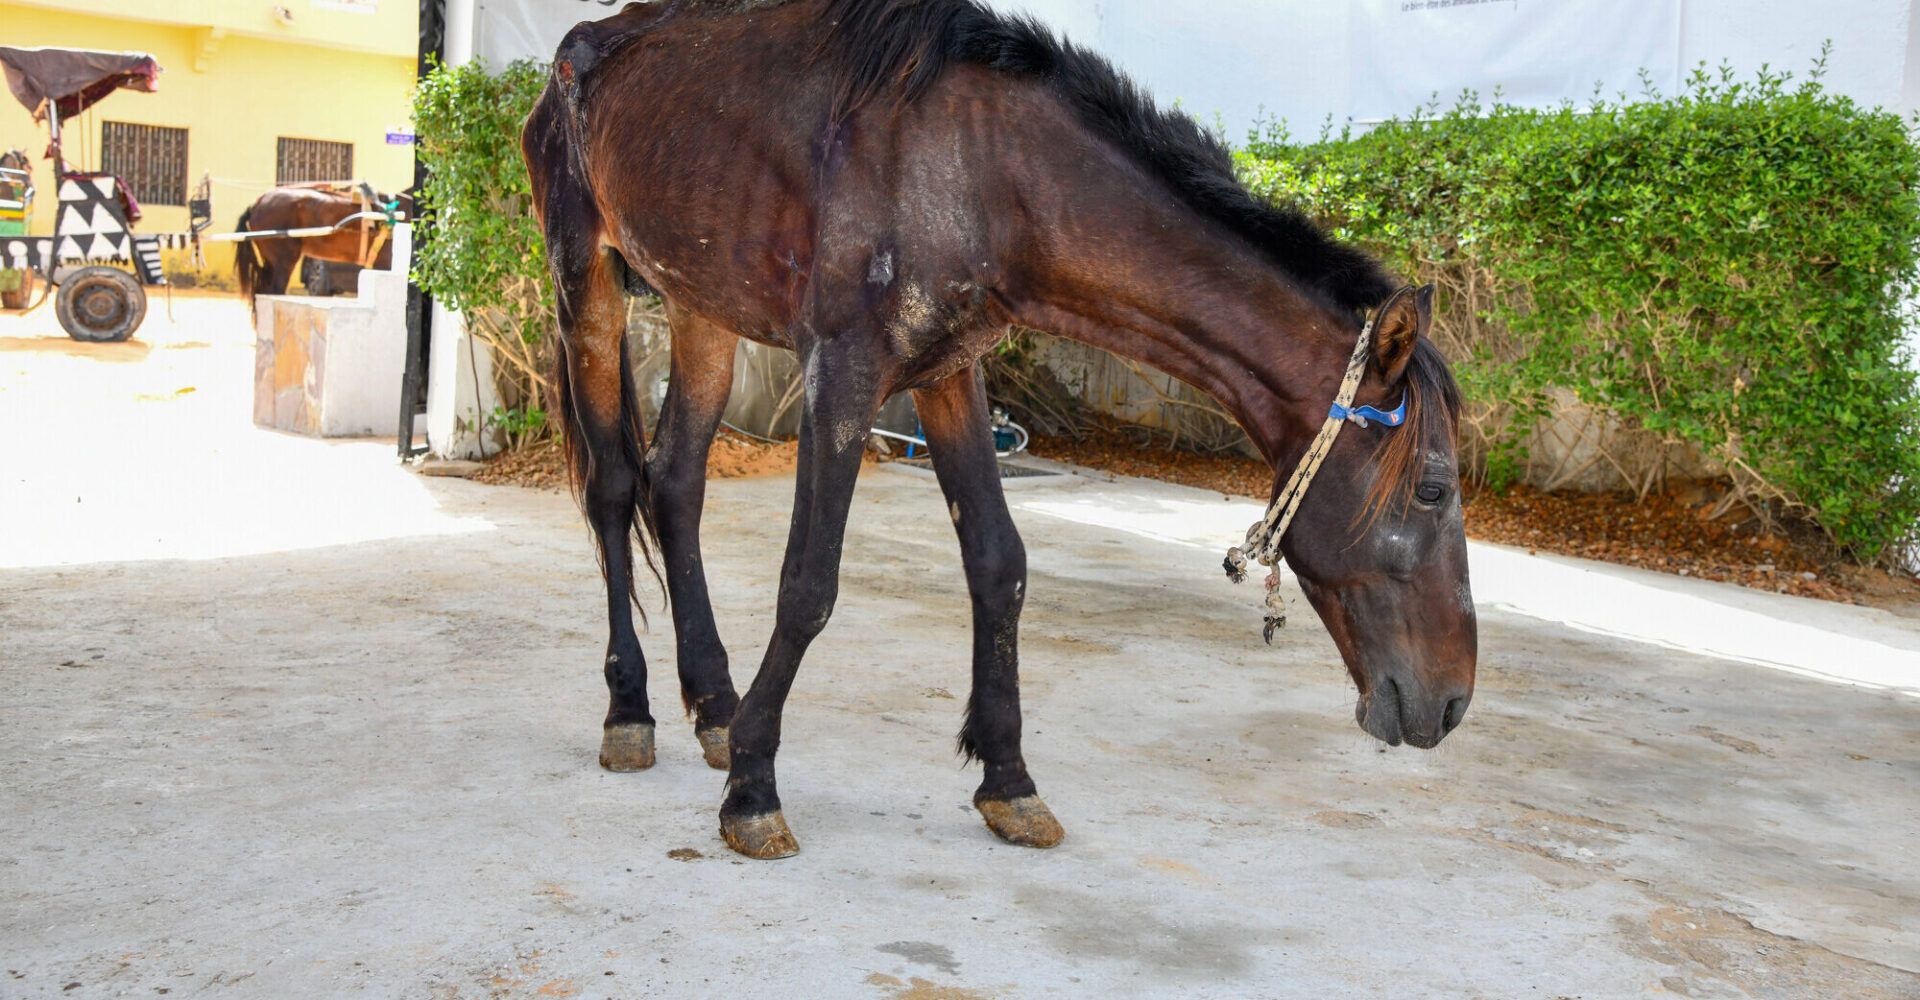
[{"x": 1430, "y": 493}]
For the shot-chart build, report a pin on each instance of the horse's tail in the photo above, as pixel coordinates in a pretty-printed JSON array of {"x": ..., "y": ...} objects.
[
  {"x": 246, "y": 262},
  {"x": 606, "y": 451},
  {"x": 590, "y": 474}
]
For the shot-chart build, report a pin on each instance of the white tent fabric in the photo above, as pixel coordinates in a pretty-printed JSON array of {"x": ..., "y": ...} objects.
[
  {"x": 1534, "y": 53},
  {"x": 505, "y": 30},
  {"x": 1237, "y": 61}
]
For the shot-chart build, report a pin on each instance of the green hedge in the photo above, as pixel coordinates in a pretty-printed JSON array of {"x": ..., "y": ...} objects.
[
  {"x": 1725, "y": 268},
  {"x": 481, "y": 234},
  {"x": 478, "y": 247}
]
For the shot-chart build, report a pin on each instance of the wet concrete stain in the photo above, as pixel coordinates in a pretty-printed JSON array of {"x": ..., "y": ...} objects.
[
  {"x": 933, "y": 956},
  {"x": 1086, "y": 925}
]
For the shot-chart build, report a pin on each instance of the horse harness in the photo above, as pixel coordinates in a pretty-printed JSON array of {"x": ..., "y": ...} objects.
[
  {"x": 373, "y": 237},
  {"x": 1263, "y": 538}
]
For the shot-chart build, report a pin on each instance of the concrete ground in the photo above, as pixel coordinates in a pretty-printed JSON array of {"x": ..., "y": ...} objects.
[{"x": 282, "y": 719}]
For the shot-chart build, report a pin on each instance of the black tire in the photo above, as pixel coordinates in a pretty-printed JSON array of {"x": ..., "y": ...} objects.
[
  {"x": 21, "y": 297},
  {"x": 100, "y": 305}
]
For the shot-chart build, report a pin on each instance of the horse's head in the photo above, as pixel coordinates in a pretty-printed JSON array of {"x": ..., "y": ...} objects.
[{"x": 1378, "y": 544}]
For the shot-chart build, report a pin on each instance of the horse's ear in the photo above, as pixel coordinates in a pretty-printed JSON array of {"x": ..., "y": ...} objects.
[{"x": 1398, "y": 326}]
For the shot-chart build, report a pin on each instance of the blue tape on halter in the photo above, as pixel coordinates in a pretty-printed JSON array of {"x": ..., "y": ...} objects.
[{"x": 1362, "y": 414}]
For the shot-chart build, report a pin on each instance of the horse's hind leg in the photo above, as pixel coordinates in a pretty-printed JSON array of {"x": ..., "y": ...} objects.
[
  {"x": 280, "y": 257},
  {"x": 954, "y": 417},
  {"x": 677, "y": 481},
  {"x": 604, "y": 441}
]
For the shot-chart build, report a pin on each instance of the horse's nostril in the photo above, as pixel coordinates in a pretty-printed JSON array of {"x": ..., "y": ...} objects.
[{"x": 1456, "y": 710}]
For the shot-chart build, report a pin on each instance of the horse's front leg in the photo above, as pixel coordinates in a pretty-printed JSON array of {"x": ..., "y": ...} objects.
[
  {"x": 954, "y": 417},
  {"x": 677, "y": 488},
  {"x": 842, "y": 396}
]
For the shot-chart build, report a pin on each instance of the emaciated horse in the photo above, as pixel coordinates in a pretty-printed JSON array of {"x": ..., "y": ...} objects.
[
  {"x": 883, "y": 187},
  {"x": 265, "y": 266}
]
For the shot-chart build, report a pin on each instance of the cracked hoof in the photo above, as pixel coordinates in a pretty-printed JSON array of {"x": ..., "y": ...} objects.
[
  {"x": 765, "y": 838},
  {"x": 1025, "y": 821},
  {"x": 628, "y": 747},
  {"x": 714, "y": 743}
]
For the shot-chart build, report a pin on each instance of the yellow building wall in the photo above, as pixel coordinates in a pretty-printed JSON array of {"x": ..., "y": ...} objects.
[
  {"x": 385, "y": 27},
  {"x": 235, "y": 97}
]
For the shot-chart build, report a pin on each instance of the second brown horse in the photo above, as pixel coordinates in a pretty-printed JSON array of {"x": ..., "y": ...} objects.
[
  {"x": 883, "y": 187},
  {"x": 265, "y": 266}
]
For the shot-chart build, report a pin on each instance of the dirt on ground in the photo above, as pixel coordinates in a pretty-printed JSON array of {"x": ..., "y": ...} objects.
[
  {"x": 544, "y": 465},
  {"x": 541, "y": 466},
  {"x": 1667, "y": 532},
  {"x": 735, "y": 457}
]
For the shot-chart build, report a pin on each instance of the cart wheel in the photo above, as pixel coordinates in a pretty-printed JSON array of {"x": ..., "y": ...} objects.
[
  {"x": 100, "y": 304},
  {"x": 21, "y": 297}
]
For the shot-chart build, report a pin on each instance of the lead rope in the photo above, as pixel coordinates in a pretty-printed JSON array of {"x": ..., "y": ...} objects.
[{"x": 1263, "y": 539}]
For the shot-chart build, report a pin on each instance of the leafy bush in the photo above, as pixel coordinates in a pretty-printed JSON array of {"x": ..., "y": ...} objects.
[
  {"x": 478, "y": 247},
  {"x": 1725, "y": 268},
  {"x": 478, "y": 244}
]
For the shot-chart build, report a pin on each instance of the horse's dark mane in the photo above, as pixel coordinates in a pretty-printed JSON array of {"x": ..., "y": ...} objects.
[{"x": 899, "y": 48}]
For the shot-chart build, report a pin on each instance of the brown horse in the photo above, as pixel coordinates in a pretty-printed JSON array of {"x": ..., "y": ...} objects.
[
  {"x": 883, "y": 187},
  {"x": 265, "y": 266}
]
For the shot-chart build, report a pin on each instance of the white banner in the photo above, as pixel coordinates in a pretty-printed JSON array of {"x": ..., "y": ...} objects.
[
  {"x": 506, "y": 30},
  {"x": 1536, "y": 52}
]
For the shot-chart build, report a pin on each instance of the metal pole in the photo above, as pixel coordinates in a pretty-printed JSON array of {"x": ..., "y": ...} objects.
[
  {"x": 413, "y": 383},
  {"x": 59, "y": 181}
]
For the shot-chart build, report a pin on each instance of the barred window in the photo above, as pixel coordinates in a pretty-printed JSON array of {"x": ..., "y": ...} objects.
[
  {"x": 150, "y": 159},
  {"x": 304, "y": 160}
]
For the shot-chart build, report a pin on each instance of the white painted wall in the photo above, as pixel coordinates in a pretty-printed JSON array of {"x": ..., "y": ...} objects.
[
  {"x": 355, "y": 352},
  {"x": 366, "y": 355}
]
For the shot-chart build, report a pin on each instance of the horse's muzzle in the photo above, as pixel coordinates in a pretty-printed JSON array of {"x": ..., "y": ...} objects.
[{"x": 1396, "y": 713}]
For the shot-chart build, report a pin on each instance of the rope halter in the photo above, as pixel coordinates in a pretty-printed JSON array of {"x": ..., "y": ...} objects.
[{"x": 1263, "y": 539}]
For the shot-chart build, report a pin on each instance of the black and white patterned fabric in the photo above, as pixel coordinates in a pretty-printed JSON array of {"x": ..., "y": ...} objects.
[
  {"x": 22, "y": 253},
  {"x": 93, "y": 230},
  {"x": 92, "y": 227}
]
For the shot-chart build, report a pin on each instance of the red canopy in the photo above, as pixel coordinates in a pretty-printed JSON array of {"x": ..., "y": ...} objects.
[{"x": 74, "y": 79}]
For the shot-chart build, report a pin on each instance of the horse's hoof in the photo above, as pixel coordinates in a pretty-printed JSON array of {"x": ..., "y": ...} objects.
[
  {"x": 1025, "y": 821},
  {"x": 714, "y": 743},
  {"x": 765, "y": 838},
  {"x": 628, "y": 747}
]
